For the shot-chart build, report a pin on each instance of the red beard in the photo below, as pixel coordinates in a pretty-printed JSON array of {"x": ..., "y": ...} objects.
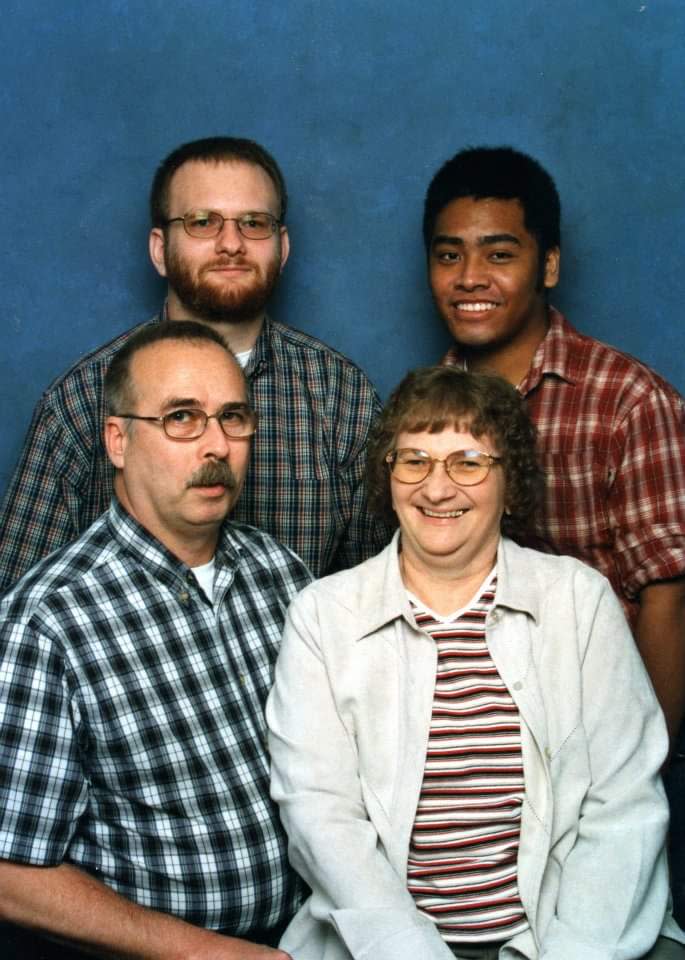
[{"x": 221, "y": 303}]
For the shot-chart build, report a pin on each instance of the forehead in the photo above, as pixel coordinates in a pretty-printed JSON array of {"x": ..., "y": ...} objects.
[
  {"x": 199, "y": 372},
  {"x": 457, "y": 437},
  {"x": 471, "y": 219},
  {"x": 226, "y": 186}
]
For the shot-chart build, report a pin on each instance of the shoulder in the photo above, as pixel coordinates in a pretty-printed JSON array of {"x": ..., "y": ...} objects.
[
  {"x": 263, "y": 555},
  {"x": 366, "y": 595},
  {"x": 612, "y": 369},
  {"x": 548, "y": 585},
  {"x": 549, "y": 566},
  {"x": 304, "y": 347},
  {"x": 63, "y": 571},
  {"x": 91, "y": 368}
]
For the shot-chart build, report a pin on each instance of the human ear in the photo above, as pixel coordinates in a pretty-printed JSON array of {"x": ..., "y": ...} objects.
[
  {"x": 157, "y": 248},
  {"x": 551, "y": 274},
  {"x": 116, "y": 438},
  {"x": 285, "y": 245}
]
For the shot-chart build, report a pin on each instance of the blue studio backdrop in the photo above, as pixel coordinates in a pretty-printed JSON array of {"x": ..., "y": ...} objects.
[{"x": 360, "y": 102}]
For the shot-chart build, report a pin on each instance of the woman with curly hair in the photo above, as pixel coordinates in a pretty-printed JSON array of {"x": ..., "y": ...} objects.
[{"x": 465, "y": 744}]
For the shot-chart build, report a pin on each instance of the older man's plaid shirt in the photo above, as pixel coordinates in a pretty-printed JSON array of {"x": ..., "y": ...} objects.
[
  {"x": 132, "y": 734},
  {"x": 305, "y": 485},
  {"x": 611, "y": 440}
]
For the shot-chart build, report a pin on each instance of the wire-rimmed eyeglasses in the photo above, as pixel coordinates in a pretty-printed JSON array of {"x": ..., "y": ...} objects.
[
  {"x": 238, "y": 421},
  {"x": 205, "y": 224},
  {"x": 464, "y": 467}
]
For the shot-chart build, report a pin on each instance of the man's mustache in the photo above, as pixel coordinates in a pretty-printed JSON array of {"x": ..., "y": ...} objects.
[{"x": 212, "y": 473}]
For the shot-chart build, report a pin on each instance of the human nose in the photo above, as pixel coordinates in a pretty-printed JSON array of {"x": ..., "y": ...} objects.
[
  {"x": 229, "y": 239},
  {"x": 473, "y": 273},
  {"x": 438, "y": 485},
  {"x": 215, "y": 443}
]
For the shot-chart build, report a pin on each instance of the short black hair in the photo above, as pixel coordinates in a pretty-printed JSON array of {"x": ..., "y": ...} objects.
[
  {"x": 501, "y": 173},
  {"x": 118, "y": 391},
  {"x": 212, "y": 150}
]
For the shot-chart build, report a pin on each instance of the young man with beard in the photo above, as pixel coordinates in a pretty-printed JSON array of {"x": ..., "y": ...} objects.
[
  {"x": 611, "y": 432},
  {"x": 135, "y": 817},
  {"x": 219, "y": 238}
]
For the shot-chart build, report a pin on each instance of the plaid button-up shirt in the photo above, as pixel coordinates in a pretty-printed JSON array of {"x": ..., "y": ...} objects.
[
  {"x": 305, "y": 482},
  {"x": 132, "y": 732},
  {"x": 611, "y": 440}
]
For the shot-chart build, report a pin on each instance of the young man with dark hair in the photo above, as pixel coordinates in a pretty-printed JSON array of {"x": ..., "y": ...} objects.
[
  {"x": 135, "y": 817},
  {"x": 611, "y": 432},
  {"x": 219, "y": 239}
]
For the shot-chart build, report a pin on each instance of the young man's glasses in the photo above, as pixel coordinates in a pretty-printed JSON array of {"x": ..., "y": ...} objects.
[
  {"x": 205, "y": 224},
  {"x": 464, "y": 467}
]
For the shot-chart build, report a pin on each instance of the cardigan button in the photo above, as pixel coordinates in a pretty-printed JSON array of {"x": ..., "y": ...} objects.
[{"x": 518, "y": 685}]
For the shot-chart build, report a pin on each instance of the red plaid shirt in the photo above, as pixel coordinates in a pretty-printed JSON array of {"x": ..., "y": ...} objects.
[{"x": 611, "y": 440}]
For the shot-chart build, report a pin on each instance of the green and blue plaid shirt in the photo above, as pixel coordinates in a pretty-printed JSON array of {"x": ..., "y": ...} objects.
[{"x": 305, "y": 482}]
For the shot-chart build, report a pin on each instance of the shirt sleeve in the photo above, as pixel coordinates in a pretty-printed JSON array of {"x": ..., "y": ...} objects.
[
  {"x": 365, "y": 534},
  {"x": 42, "y": 788},
  {"x": 42, "y": 506},
  {"x": 647, "y": 496}
]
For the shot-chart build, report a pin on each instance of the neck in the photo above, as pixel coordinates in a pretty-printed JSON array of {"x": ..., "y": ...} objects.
[
  {"x": 240, "y": 335},
  {"x": 510, "y": 360},
  {"x": 442, "y": 589},
  {"x": 193, "y": 545}
]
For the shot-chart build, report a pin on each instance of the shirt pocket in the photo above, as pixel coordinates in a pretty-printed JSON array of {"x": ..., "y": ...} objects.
[{"x": 575, "y": 509}]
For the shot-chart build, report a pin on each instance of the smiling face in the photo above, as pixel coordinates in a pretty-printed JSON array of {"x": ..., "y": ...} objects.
[
  {"x": 486, "y": 278},
  {"x": 446, "y": 527},
  {"x": 179, "y": 490},
  {"x": 227, "y": 278}
]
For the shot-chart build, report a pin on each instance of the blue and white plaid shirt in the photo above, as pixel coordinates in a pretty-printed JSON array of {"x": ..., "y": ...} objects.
[
  {"x": 305, "y": 485},
  {"x": 132, "y": 733}
]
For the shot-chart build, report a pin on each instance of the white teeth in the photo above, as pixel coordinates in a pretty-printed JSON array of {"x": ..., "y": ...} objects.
[
  {"x": 476, "y": 307},
  {"x": 441, "y": 514}
]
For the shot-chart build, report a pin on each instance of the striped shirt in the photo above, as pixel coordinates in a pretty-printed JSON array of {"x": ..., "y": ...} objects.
[
  {"x": 611, "y": 440},
  {"x": 462, "y": 869},
  {"x": 305, "y": 484}
]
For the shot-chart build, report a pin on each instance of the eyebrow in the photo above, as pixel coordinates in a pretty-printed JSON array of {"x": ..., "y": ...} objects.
[
  {"x": 180, "y": 402},
  {"x": 174, "y": 402},
  {"x": 238, "y": 216},
  {"x": 484, "y": 241}
]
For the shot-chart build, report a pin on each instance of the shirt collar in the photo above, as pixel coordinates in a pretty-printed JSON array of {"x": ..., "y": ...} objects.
[
  {"x": 382, "y": 596},
  {"x": 556, "y": 355},
  {"x": 153, "y": 556},
  {"x": 261, "y": 353},
  {"x": 517, "y": 589}
]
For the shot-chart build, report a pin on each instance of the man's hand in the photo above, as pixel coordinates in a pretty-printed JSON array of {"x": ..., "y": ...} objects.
[
  {"x": 69, "y": 905},
  {"x": 233, "y": 948}
]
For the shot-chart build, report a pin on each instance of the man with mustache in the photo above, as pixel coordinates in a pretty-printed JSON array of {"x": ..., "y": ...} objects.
[
  {"x": 135, "y": 816},
  {"x": 219, "y": 239}
]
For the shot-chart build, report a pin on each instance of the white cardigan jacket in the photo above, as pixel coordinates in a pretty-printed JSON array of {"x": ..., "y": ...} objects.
[{"x": 349, "y": 718}]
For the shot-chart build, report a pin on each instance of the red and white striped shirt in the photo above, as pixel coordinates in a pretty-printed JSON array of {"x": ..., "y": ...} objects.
[{"x": 462, "y": 869}]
